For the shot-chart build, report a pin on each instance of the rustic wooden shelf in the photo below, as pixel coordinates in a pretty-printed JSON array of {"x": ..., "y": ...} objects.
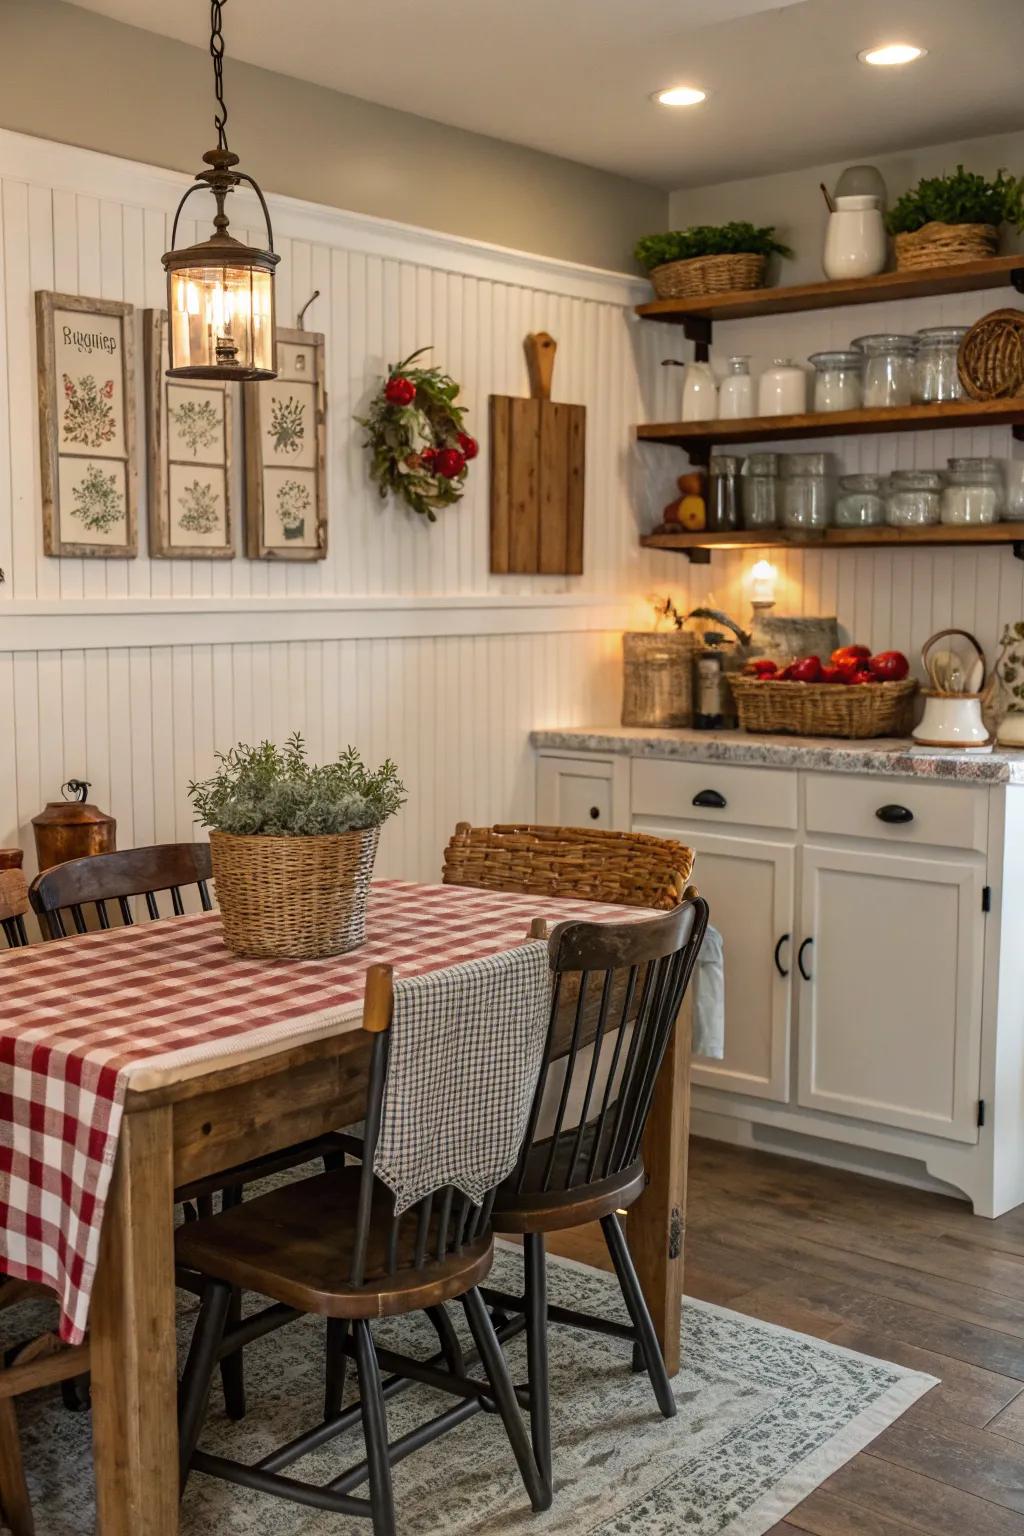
[
  {"x": 695, "y": 315},
  {"x": 699, "y": 437},
  {"x": 698, "y": 547}
]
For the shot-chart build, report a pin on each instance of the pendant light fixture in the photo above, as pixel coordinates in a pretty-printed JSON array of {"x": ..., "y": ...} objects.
[{"x": 220, "y": 293}]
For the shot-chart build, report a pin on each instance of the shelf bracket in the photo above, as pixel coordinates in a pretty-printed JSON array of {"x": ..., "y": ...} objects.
[
  {"x": 700, "y": 556},
  {"x": 1018, "y": 549},
  {"x": 1017, "y": 279},
  {"x": 697, "y": 328},
  {"x": 1018, "y": 431}
]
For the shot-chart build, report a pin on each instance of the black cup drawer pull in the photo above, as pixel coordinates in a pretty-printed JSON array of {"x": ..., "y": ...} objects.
[
  {"x": 709, "y": 799},
  {"x": 800, "y": 959},
  {"x": 895, "y": 815},
  {"x": 595, "y": 813}
]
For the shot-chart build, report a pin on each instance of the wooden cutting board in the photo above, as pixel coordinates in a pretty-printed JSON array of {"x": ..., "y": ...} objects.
[{"x": 537, "y": 475}]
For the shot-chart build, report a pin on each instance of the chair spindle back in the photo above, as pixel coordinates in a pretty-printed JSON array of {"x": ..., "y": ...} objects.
[{"x": 66, "y": 891}]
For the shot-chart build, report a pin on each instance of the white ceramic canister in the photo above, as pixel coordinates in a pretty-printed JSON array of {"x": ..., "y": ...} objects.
[
  {"x": 782, "y": 389},
  {"x": 700, "y": 393},
  {"x": 855, "y": 241},
  {"x": 736, "y": 391}
]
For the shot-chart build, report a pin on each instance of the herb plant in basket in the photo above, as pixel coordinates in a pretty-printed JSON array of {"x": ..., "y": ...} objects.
[
  {"x": 708, "y": 258},
  {"x": 293, "y": 845},
  {"x": 948, "y": 219}
]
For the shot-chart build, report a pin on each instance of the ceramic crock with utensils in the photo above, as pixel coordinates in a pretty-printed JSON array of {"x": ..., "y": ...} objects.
[{"x": 952, "y": 705}]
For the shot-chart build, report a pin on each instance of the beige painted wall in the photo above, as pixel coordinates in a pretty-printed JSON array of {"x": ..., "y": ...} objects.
[
  {"x": 793, "y": 203},
  {"x": 70, "y": 75}
]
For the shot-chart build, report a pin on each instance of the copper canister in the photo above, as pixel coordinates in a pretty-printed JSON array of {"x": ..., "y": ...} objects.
[{"x": 72, "y": 828}]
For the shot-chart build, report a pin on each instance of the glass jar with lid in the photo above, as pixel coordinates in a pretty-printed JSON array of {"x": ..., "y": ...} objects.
[
  {"x": 860, "y": 503},
  {"x": 936, "y": 375},
  {"x": 837, "y": 380},
  {"x": 913, "y": 498},
  {"x": 888, "y": 364},
  {"x": 759, "y": 493},
  {"x": 974, "y": 492},
  {"x": 805, "y": 490},
  {"x": 723, "y": 493},
  {"x": 736, "y": 391}
]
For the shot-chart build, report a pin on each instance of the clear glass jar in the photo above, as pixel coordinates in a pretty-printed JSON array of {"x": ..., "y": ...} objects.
[
  {"x": 913, "y": 498},
  {"x": 936, "y": 376},
  {"x": 837, "y": 380},
  {"x": 736, "y": 391},
  {"x": 759, "y": 490},
  {"x": 723, "y": 493},
  {"x": 888, "y": 377},
  {"x": 974, "y": 492},
  {"x": 860, "y": 503},
  {"x": 805, "y": 490}
]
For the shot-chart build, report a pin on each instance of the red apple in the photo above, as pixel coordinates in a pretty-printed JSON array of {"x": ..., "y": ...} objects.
[
  {"x": 849, "y": 652},
  {"x": 852, "y": 666},
  {"x": 807, "y": 669},
  {"x": 889, "y": 666},
  {"x": 761, "y": 666},
  {"x": 833, "y": 675}
]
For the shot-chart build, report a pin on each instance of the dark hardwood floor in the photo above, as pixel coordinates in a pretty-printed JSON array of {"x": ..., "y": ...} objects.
[{"x": 892, "y": 1272}]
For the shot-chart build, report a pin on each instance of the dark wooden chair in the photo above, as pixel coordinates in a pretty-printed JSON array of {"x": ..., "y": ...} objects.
[
  {"x": 332, "y": 1246},
  {"x": 618, "y": 992}
]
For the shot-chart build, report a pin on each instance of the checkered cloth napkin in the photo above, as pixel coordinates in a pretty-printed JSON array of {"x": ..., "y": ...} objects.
[
  {"x": 80, "y": 1016},
  {"x": 465, "y": 1054}
]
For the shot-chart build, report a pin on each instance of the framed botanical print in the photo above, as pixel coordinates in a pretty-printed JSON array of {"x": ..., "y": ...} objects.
[
  {"x": 87, "y": 426},
  {"x": 285, "y": 454},
  {"x": 188, "y": 425}
]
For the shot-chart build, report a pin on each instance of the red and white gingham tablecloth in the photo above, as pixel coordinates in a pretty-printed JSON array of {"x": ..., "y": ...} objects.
[{"x": 80, "y": 1017}]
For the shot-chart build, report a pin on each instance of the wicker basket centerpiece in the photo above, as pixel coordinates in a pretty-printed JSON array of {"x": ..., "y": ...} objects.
[
  {"x": 946, "y": 220},
  {"x": 823, "y": 709},
  {"x": 293, "y": 846},
  {"x": 724, "y": 258}
]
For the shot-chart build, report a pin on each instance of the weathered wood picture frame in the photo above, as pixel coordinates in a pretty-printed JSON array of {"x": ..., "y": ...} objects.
[
  {"x": 286, "y": 454},
  {"x": 188, "y": 435},
  {"x": 86, "y": 366}
]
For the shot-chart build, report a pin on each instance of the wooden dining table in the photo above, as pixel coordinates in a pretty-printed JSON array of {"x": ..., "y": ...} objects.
[{"x": 192, "y": 1119}]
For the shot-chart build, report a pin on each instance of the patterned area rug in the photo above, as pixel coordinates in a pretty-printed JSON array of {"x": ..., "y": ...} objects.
[{"x": 765, "y": 1416}]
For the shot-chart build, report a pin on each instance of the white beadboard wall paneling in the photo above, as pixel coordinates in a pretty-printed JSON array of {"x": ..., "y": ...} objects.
[
  {"x": 882, "y": 598},
  {"x": 132, "y": 673}
]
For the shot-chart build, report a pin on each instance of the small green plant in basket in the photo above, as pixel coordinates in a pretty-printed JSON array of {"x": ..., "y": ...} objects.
[
  {"x": 273, "y": 791},
  {"x": 960, "y": 197},
  {"x": 738, "y": 238}
]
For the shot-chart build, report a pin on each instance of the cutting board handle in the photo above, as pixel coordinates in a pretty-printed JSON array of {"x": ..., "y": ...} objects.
[{"x": 540, "y": 363}]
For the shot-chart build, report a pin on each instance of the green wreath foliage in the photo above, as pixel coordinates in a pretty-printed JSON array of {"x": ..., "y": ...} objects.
[{"x": 407, "y": 439}]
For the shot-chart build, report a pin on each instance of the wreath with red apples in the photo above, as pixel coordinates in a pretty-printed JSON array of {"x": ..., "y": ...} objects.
[{"x": 419, "y": 451}]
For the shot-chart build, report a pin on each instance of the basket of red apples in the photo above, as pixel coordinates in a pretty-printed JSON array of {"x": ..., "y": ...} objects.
[{"x": 853, "y": 694}]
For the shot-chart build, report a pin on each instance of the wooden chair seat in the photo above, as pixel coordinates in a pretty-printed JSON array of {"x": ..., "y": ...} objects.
[
  {"x": 296, "y": 1246},
  {"x": 534, "y": 1208}
]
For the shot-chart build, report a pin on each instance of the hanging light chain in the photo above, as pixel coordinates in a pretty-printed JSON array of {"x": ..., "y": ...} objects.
[{"x": 217, "y": 54}]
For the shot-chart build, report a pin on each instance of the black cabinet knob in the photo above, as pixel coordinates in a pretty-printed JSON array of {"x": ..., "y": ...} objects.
[
  {"x": 595, "y": 813},
  {"x": 895, "y": 815},
  {"x": 709, "y": 799}
]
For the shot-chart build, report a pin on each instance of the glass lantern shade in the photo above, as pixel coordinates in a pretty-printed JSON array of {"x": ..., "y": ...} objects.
[{"x": 221, "y": 314}]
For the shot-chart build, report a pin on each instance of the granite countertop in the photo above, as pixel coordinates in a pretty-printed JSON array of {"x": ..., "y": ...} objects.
[{"x": 882, "y": 755}]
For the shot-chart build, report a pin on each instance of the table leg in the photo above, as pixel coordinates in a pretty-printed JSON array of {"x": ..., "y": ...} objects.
[
  {"x": 134, "y": 1365},
  {"x": 657, "y": 1222}
]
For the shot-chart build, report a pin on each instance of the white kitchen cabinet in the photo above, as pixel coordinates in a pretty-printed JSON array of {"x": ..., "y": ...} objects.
[
  {"x": 582, "y": 791},
  {"x": 749, "y": 884},
  {"x": 890, "y": 1019}
]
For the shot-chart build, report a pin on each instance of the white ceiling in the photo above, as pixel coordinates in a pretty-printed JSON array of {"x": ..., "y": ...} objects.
[{"x": 574, "y": 77}]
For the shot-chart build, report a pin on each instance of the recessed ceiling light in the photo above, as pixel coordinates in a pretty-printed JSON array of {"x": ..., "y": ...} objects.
[
  {"x": 680, "y": 96},
  {"x": 892, "y": 53}
]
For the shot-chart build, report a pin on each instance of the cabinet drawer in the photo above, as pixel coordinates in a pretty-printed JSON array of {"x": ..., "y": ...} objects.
[
  {"x": 575, "y": 792},
  {"x": 754, "y": 797},
  {"x": 943, "y": 815}
]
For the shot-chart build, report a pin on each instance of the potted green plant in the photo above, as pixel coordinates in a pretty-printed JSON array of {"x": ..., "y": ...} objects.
[
  {"x": 947, "y": 219},
  {"x": 293, "y": 845},
  {"x": 708, "y": 258}
]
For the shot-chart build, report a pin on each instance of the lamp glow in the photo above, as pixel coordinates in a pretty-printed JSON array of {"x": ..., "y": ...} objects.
[
  {"x": 891, "y": 53},
  {"x": 763, "y": 580},
  {"x": 681, "y": 96}
]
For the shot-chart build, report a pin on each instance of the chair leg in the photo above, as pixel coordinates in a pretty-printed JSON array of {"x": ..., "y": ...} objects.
[
  {"x": 537, "y": 1486},
  {"x": 334, "y": 1385},
  {"x": 375, "y": 1431},
  {"x": 451, "y": 1348},
  {"x": 197, "y": 1377},
  {"x": 537, "y": 1351},
  {"x": 640, "y": 1315},
  {"x": 232, "y": 1367},
  {"x": 14, "y": 1499}
]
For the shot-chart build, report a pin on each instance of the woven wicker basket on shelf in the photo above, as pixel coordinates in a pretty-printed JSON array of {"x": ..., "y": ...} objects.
[
  {"x": 295, "y": 898},
  {"x": 944, "y": 245},
  {"x": 657, "y": 683},
  {"x": 701, "y": 275},
  {"x": 629, "y": 868},
  {"x": 824, "y": 709}
]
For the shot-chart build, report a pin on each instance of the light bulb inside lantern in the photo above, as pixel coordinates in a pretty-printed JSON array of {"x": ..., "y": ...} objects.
[{"x": 763, "y": 580}]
